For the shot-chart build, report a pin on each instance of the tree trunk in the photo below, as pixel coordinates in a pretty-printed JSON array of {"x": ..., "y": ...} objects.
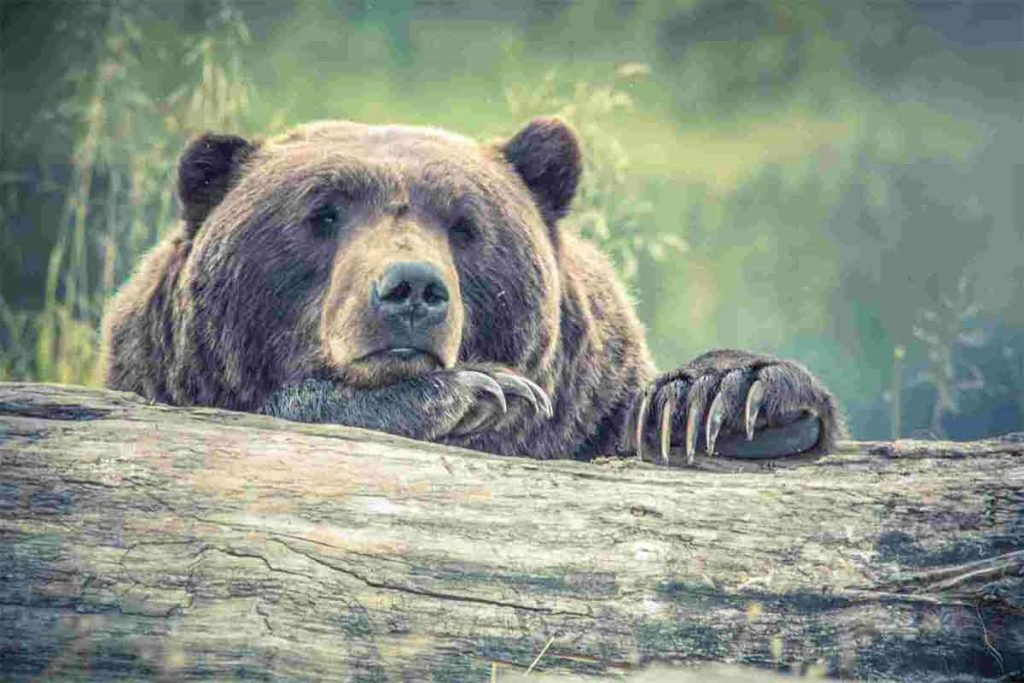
[{"x": 144, "y": 540}]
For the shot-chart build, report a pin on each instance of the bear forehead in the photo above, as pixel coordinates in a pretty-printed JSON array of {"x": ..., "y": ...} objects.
[
  {"x": 375, "y": 140},
  {"x": 385, "y": 156}
]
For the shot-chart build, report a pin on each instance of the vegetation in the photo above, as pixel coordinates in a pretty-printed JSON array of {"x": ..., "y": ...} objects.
[
  {"x": 610, "y": 207},
  {"x": 791, "y": 177}
]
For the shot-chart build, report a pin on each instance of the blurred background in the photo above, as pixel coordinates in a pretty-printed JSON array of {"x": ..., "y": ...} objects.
[{"x": 827, "y": 180}]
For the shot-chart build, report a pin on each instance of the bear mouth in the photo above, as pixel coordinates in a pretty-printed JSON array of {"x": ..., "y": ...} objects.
[
  {"x": 394, "y": 363},
  {"x": 387, "y": 366},
  {"x": 402, "y": 353}
]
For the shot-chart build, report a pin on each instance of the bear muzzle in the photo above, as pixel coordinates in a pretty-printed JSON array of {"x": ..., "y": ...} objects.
[
  {"x": 394, "y": 308},
  {"x": 410, "y": 302}
]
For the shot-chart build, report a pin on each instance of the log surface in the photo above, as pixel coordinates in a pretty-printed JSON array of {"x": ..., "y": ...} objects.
[{"x": 144, "y": 540}]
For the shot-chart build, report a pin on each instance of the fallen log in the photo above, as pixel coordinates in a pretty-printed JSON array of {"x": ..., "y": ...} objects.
[{"x": 144, "y": 540}]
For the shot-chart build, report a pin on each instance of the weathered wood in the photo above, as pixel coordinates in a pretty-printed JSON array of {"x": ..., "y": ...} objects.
[{"x": 141, "y": 539}]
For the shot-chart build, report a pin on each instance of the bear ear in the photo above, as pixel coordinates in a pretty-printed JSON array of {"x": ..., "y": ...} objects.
[
  {"x": 207, "y": 168},
  {"x": 546, "y": 155}
]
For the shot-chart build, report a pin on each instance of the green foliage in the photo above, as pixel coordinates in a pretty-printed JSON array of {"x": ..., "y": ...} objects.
[
  {"x": 15, "y": 363},
  {"x": 943, "y": 330},
  {"x": 610, "y": 207},
  {"x": 120, "y": 194}
]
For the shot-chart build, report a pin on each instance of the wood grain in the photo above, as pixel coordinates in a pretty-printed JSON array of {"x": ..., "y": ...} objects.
[{"x": 142, "y": 540}]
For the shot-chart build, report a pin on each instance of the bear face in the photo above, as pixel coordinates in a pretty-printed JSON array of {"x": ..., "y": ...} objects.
[
  {"x": 414, "y": 281},
  {"x": 364, "y": 254}
]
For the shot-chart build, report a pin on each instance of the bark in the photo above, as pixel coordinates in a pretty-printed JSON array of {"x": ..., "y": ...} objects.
[{"x": 144, "y": 540}]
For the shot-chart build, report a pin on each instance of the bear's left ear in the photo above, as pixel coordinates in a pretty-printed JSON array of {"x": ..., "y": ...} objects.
[
  {"x": 546, "y": 155},
  {"x": 208, "y": 167}
]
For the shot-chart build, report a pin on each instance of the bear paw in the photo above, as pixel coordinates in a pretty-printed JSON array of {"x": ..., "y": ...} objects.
[
  {"x": 737, "y": 404},
  {"x": 459, "y": 402},
  {"x": 490, "y": 393}
]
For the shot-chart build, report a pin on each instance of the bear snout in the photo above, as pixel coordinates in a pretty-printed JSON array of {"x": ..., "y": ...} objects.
[
  {"x": 411, "y": 306},
  {"x": 411, "y": 297}
]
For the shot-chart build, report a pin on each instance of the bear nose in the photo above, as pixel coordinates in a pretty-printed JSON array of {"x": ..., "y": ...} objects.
[{"x": 412, "y": 291}]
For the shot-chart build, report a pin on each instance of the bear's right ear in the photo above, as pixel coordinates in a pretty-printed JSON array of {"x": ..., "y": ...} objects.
[{"x": 207, "y": 168}]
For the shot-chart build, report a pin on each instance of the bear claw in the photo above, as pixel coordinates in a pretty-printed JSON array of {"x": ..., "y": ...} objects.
[
  {"x": 495, "y": 388},
  {"x": 641, "y": 418},
  {"x": 666, "y": 427},
  {"x": 716, "y": 416},
  {"x": 755, "y": 399},
  {"x": 692, "y": 429},
  {"x": 524, "y": 388},
  {"x": 478, "y": 381}
]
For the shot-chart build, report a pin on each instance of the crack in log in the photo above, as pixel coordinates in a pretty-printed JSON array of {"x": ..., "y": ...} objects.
[
  {"x": 115, "y": 608},
  {"x": 365, "y": 580},
  {"x": 254, "y": 556},
  {"x": 249, "y": 528},
  {"x": 369, "y": 582},
  {"x": 429, "y": 593},
  {"x": 87, "y": 482},
  {"x": 53, "y": 411},
  {"x": 266, "y": 619},
  {"x": 990, "y": 568}
]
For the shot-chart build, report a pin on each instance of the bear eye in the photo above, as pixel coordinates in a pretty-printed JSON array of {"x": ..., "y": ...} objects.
[
  {"x": 463, "y": 230},
  {"x": 325, "y": 221}
]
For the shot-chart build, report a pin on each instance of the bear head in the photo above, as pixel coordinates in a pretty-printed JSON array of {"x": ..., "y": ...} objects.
[{"x": 367, "y": 254}]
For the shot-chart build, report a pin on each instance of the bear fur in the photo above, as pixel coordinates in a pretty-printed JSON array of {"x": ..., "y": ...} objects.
[{"x": 270, "y": 297}]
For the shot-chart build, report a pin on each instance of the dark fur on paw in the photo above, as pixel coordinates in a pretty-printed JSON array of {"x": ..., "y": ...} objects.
[
  {"x": 737, "y": 404},
  {"x": 457, "y": 403}
]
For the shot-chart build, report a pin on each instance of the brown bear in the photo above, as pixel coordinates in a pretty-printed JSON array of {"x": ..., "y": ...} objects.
[{"x": 414, "y": 281}]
